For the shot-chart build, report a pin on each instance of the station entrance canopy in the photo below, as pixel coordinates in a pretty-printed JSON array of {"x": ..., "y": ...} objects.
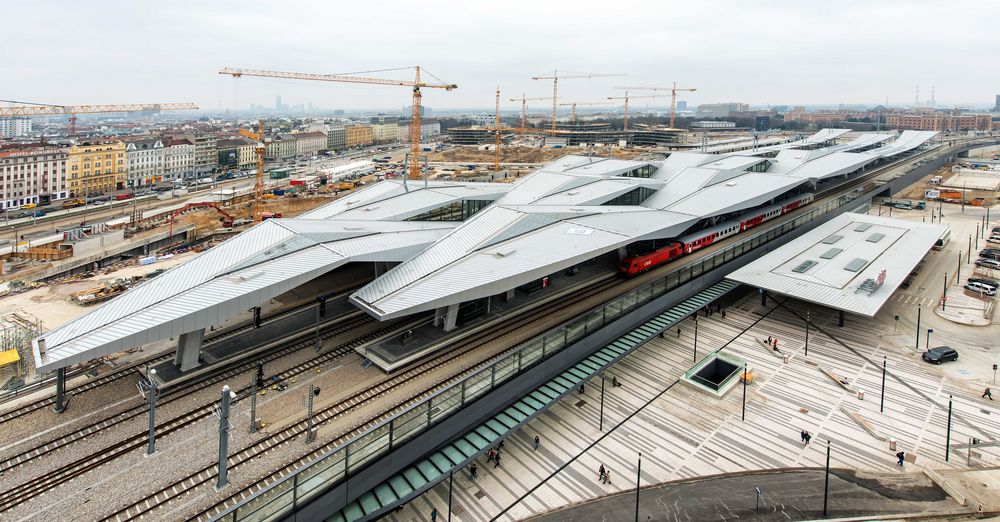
[{"x": 852, "y": 263}]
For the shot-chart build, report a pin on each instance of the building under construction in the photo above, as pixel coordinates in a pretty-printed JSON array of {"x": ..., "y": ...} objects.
[{"x": 575, "y": 134}]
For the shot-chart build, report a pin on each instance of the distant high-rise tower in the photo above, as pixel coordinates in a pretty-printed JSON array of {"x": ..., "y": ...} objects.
[
  {"x": 916, "y": 98},
  {"x": 277, "y": 103},
  {"x": 996, "y": 107},
  {"x": 933, "y": 102}
]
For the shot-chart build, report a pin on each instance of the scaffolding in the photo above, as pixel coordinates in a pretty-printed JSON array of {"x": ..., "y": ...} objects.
[{"x": 17, "y": 329}]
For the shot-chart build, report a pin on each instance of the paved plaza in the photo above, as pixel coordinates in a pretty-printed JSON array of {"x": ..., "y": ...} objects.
[{"x": 684, "y": 433}]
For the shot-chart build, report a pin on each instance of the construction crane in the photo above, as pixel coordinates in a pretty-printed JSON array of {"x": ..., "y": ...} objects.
[
  {"x": 574, "y": 104},
  {"x": 496, "y": 131},
  {"x": 673, "y": 96},
  {"x": 45, "y": 109},
  {"x": 627, "y": 98},
  {"x": 555, "y": 86},
  {"x": 524, "y": 108},
  {"x": 416, "y": 84},
  {"x": 258, "y": 187}
]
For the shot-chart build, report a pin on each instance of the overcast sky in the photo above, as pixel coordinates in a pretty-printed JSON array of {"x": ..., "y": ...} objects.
[{"x": 778, "y": 52}]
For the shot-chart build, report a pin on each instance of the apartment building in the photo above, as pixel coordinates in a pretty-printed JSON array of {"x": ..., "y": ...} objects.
[
  {"x": 359, "y": 135},
  {"x": 427, "y": 130},
  {"x": 309, "y": 143},
  {"x": 15, "y": 127},
  {"x": 236, "y": 153},
  {"x": 939, "y": 121},
  {"x": 280, "y": 147},
  {"x": 32, "y": 175},
  {"x": 178, "y": 159},
  {"x": 96, "y": 168},
  {"x": 385, "y": 132},
  {"x": 336, "y": 137},
  {"x": 145, "y": 161}
]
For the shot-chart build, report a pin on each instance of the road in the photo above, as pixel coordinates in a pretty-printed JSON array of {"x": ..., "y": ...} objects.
[{"x": 790, "y": 495}]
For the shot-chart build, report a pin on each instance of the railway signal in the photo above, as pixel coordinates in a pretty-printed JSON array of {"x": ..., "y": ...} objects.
[{"x": 313, "y": 392}]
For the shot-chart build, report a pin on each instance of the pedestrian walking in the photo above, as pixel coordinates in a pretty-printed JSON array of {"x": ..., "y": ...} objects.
[
  {"x": 769, "y": 341},
  {"x": 601, "y": 472},
  {"x": 496, "y": 462},
  {"x": 581, "y": 388},
  {"x": 434, "y": 514},
  {"x": 490, "y": 455},
  {"x": 499, "y": 446},
  {"x": 988, "y": 393},
  {"x": 678, "y": 333},
  {"x": 537, "y": 441},
  {"x": 607, "y": 476},
  {"x": 474, "y": 471},
  {"x": 614, "y": 381},
  {"x": 723, "y": 312},
  {"x": 901, "y": 456},
  {"x": 802, "y": 435},
  {"x": 775, "y": 345},
  {"x": 808, "y": 437}
]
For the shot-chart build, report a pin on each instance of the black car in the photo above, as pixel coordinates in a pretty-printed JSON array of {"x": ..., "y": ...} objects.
[
  {"x": 940, "y": 354},
  {"x": 990, "y": 253},
  {"x": 985, "y": 281}
]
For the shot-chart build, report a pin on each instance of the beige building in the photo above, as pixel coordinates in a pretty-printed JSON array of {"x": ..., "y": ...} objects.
[
  {"x": 385, "y": 132},
  {"x": 359, "y": 135},
  {"x": 32, "y": 175},
  {"x": 309, "y": 143},
  {"x": 178, "y": 159},
  {"x": 96, "y": 168}
]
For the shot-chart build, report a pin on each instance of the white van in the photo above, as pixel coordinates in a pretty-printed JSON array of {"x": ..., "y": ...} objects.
[{"x": 981, "y": 288}]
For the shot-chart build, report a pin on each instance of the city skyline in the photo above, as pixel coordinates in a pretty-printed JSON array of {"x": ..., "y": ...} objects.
[{"x": 777, "y": 54}]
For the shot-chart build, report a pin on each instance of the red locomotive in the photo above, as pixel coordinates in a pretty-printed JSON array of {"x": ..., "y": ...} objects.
[{"x": 634, "y": 265}]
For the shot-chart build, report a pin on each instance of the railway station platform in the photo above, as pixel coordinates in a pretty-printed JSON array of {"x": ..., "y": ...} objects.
[
  {"x": 397, "y": 351},
  {"x": 243, "y": 342}
]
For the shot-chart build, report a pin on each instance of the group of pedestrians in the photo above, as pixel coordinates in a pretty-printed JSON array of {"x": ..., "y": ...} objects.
[
  {"x": 772, "y": 342},
  {"x": 604, "y": 474},
  {"x": 714, "y": 309}
]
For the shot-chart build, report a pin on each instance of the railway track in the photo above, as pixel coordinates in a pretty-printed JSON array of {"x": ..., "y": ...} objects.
[
  {"x": 369, "y": 395},
  {"x": 126, "y": 371},
  {"x": 39, "y": 485}
]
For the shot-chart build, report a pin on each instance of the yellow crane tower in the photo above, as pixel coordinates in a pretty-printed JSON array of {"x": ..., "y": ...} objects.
[
  {"x": 574, "y": 104},
  {"x": 258, "y": 187},
  {"x": 674, "y": 89},
  {"x": 555, "y": 86},
  {"x": 627, "y": 98},
  {"x": 416, "y": 84},
  {"x": 497, "y": 139},
  {"x": 524, "y": 108},
  {"x": 45, "y": 109}
]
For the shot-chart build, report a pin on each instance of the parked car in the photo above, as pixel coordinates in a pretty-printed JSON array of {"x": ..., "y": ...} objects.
[
  {"x": 98, "y": 202},
  {"x": 981, "y": 289},
  {"x": 988, "y": 263},
  {"x": 990, "y": 253},
  {"x": 940, "y": 354},
  {"x": 985, "y": 280}
]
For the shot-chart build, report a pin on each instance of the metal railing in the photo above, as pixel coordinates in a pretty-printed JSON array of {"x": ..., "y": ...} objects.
[{"x": 295, "y": 490}]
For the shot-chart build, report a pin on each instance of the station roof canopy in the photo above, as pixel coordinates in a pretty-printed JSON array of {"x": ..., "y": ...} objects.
[
  {"x": 456, "y": 241},
  {"x": 852, "y": 263}
]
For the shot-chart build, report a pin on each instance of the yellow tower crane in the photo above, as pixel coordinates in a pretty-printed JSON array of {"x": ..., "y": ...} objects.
[
  {"x": 524, "y": 108},
  {"x": 627, "y": 98},
  {"x": 574, "y": 104},
  {"x": 45, "y": 109},
  {"x": 555, "y": 86},
  {"x": 258, "y": 187},
  {"x": 674, "y": 89},
  {"x": 416, "y": 84}
]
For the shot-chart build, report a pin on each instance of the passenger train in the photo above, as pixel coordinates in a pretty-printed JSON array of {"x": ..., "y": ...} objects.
[{"x": 637, "y": 264}]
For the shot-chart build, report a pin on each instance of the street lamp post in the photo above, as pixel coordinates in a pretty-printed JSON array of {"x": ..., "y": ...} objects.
[
  {"x": 601, "y": 422},
  {"x": 881, "y": 407},
  {"x": 151, "y": 446},
  {"x": 947, "y": 437},
  {"x": 826, "y": 480},
  {"x": 944, "y": 293},
  {"x": 807, "y": 333},
  {"x": 917, "y": 337},
  {"x": 227, "y": 396},
  {"x": 638, "y": 471},
  {"x": 695, "y": 356},
  {"x": 743, "y": 416},
  {"x": 929, "y": 332}
]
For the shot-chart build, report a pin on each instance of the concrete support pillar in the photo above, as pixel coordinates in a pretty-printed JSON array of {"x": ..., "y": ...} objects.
[
  {"x": 60, "y": 405},
  {"x": 489, "y": 304},
  {"x": 509, "y": 296},
  {"x": 622, "y": 253},
  {"x": 256, "y": 317},
  {"x": 840, "y": 319},
  {"x": 439, "y": 315},
  {"x": 189, "y": 350},
  {"x": 381, "y": 267},
  {"x": 451, "y": 318}
]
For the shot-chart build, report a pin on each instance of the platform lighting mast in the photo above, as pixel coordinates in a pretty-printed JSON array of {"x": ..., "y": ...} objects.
[
  {"x": 627, "y": 98},
  {"x": 574, "y": 104},
  {"x": 496, "y": 131},
  {"x": 416, "y": 84},
  {"x": 524, "y": 108},
  {"x": 555, "y": 86},
  {"x": 44, "y": 109},
  {"x": 674, "y": 89}
]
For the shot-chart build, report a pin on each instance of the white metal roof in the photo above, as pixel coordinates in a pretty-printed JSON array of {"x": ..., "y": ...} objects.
[
  {"x": 549, "y": 220},
  {"x": 828, "y": 264}
]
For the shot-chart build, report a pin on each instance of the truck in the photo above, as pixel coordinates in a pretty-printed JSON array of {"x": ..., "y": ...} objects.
[
  {"x": 269, "y": 215},
  {"x": 346, "y": 185},
  {"x": 123, "y": 196},
  {"x": 73, "y": 203}
]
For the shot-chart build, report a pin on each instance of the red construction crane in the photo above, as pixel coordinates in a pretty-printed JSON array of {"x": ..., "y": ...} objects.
[
  {"x": 674, "y": 89},
  {"x": 416, "y": 84},
  {"x": 555, "y": 86}
]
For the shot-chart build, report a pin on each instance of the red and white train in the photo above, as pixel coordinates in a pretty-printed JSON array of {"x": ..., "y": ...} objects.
[{"x": 635, "y": 265}]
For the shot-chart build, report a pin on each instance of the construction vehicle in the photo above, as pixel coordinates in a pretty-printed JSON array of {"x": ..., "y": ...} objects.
[
  {"x": 346, "y": 185},
  {"x": 555, "y": 86},
  {"x": 626, "y": 98},
  {"x": 45, "y": 109},
  {"x": 673, "y": 96},
  {"x": 416, "y": 84}
]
